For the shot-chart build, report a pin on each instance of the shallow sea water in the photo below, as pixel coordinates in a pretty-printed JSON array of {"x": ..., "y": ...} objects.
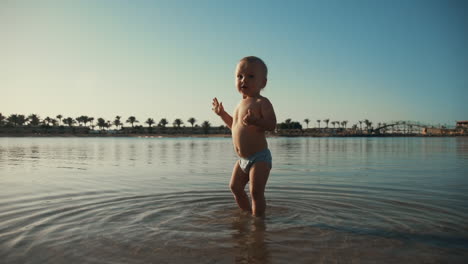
[{"x": 166, "y": 200}]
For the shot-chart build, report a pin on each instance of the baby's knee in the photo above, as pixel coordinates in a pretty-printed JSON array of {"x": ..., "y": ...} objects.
[
  {"x": 235, "y": 188},
  {"x": 257, "y": 194}
]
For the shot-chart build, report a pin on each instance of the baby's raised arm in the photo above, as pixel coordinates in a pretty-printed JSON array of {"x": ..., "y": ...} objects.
[{"x": 219, "y": 110}]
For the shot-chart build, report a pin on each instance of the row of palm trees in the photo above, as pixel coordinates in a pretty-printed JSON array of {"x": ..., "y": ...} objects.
[
  {"x": 334, "y": 123},
  {"x": 87, "y": 121},
  {"x": 34, "y": 120},
  {"x": 343, "y": 124}
]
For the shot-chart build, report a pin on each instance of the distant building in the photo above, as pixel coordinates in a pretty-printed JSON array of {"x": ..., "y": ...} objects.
[
  {"x": 433, "y": 131},
  {"x": 462, "y": 124}
]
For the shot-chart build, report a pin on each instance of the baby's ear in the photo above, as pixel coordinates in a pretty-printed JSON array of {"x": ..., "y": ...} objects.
[{"x": 264, "y": 83}]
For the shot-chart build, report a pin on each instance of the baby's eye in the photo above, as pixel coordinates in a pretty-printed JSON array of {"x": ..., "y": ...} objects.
[
  {"x": 239, "y": 76},
  {"x": 251, "y": 76}
]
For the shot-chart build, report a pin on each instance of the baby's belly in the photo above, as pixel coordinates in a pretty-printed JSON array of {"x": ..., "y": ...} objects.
[{"x": 248, "y": 140}]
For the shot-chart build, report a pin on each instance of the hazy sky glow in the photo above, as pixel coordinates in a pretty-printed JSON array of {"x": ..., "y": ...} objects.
[{"x": 343, "y": 60}]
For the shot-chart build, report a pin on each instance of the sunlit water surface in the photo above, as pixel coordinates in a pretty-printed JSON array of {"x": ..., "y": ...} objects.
[{"x": 153, "y": 200}]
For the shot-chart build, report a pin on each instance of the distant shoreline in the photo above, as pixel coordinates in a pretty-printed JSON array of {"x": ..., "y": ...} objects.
[
  {"x": 219, "y": 132},
  {"x": 69, "y": 135},
  {"x": 119, "y": 135}
]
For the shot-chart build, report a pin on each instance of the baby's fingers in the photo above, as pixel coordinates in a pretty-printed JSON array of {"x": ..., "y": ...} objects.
[{"x": 245, "y": 120}]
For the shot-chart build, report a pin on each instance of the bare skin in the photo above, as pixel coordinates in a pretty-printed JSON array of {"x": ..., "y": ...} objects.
[{"x": 252, "y": 117}]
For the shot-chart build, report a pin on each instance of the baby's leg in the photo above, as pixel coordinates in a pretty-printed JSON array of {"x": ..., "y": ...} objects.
[
  {"x": 259, "y": 173},
  {"x": 238, "y": 181}
]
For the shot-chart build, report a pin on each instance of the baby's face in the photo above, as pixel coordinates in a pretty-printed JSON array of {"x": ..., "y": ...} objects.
[{"x": 250, "y": 78}]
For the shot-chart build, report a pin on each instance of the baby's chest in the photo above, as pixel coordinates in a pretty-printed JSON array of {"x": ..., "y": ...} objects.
[{"x": 255, "y": 109}]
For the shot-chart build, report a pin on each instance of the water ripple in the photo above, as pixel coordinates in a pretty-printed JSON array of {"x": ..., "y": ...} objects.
[
  {"x": 151, "y": 223},
  {"x": 167, "y": 201}
]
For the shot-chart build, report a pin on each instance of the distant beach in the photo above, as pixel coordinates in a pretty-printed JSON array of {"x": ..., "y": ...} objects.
[
  {"x": 17, "y": 125},
  {"x": 216, "y": 134}
]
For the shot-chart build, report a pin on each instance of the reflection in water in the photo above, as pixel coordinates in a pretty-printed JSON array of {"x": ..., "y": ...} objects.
[
  {"x": 101, "y": 153},
  {"x": 249, "y": 237},
  {"x": 177, "y": 152},
  {"x": 205, "y": 154},
  {"x": 163, "y": 152},
  {"x": 132, "y": 154},
  {"x": 192, "y": 153},
  {"x": 462, "y": 147},
  {"x": 149, "y": 153},
  {"x": 117, "y": 153}
]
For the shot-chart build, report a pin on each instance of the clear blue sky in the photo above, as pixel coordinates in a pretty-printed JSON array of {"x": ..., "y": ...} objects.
[{"x": 344, "y": 60}]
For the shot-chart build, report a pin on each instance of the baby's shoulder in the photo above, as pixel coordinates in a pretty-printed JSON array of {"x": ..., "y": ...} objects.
[{"x": 263, "y": 101}]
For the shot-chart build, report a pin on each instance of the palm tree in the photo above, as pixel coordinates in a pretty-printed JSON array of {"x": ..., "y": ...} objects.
[
  {"x": 90, "y": 120},
  {"x": 47, "y": 121},
  {"x": 326, "y": 121},
  {"x": 34, "y": 120},
  {"x": 117, "y": 122},
  {"x": 192, "y": 121},
  {"x": 132, "y": 120},
  {"x": 307, "y": 122},
  {"x": 69, "y": 121},
  {"x": 13, "y": 119},
  {"x": 177, "y": 122},
  {"x": 344, "y": 123},
  {"x": 150, "y": 122},
  {"x": 21, "y": 120},
  {"x": 288, "y": 122},
  {"x": 318, "y": 121},
  {"x": 163, "y": 122},
  {"x": 206, "y": 126},
  {"x": 333, "y": 123},
  {"x": 367, "y": 123},
  {"x": 101, "y": 123},
  {"x": 85, "y": 119},
  {"x": 360, "y": 124},
  {"x": 59, "y": 117},
  {"x": 81, "y": 119}
]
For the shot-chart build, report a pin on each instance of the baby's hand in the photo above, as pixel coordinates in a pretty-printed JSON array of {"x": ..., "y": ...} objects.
[
  {"x": 249, "y": 119},
  {"x": 217, "y": 107}
]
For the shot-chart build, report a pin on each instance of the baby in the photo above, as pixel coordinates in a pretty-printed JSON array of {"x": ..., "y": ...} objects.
[{"x": 252, "y": 117}]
